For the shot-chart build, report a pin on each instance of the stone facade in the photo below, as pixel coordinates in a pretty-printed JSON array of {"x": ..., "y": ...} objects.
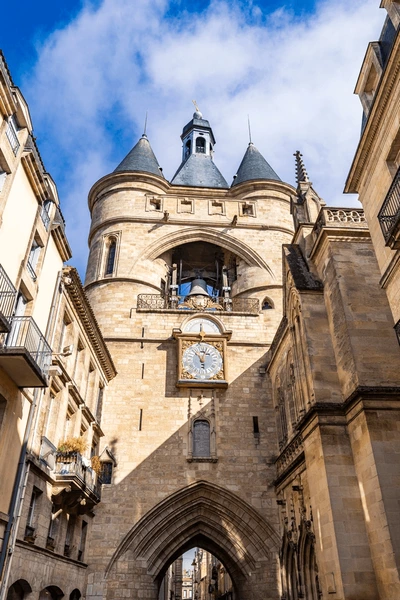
[{"x": 255, "y": 414}]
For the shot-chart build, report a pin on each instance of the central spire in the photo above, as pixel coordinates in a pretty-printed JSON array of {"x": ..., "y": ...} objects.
[{"x": 197, "y": 168}]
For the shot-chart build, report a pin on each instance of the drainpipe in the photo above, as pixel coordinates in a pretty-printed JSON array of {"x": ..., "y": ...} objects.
[{"x": 21, "y": 478}]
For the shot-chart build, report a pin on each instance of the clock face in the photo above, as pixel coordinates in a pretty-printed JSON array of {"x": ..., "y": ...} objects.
[
  {"x": 199, "y": 323},
  {"x": 202, "y": 361}
]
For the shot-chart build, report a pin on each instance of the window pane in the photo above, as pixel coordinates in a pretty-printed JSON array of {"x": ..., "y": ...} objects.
[{"x": 201, "y": 438}]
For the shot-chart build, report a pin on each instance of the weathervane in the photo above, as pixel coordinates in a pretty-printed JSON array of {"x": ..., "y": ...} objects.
[{"x": 195, "y": 105}]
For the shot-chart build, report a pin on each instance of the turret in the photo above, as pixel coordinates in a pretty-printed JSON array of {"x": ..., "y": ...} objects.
[{"x": 197, "y": 167}]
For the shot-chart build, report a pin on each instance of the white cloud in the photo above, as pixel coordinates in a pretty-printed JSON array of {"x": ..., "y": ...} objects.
[{"x": 95, "y": 79}]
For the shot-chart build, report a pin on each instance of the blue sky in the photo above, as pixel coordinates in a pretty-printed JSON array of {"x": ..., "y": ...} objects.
[{"x": 91, "y": 70}]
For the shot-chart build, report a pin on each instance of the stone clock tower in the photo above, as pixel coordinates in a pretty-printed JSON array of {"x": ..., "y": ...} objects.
[{"x": 185, "y": 278}]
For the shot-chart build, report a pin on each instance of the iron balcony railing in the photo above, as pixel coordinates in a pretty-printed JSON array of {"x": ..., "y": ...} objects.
[
  {"x": 71, "y": 465},
  {"x": 389, "y": 214},
  {"x": 26, "y": 335},
  {"x": 8, "y": 294},
  {"x": 31, "y": 270},
  {"x": 156, "y": 302},
  {"x": 44, "y": 213},
  {"x": 11, "y": 133}
]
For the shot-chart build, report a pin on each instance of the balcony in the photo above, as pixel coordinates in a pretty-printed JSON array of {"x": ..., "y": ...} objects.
[
  {"x": 78, "y": 489},
  {"x": 8, "y": 294},
  {"x": 389, "y": 215},
  {"x": 25, "y": 354},
  {"x": 339, "y": 218},
  {"x": 158, "y": 303}
]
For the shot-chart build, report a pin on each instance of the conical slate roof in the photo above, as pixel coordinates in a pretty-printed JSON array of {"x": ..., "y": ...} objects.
[
  {"x": 199, "y": 171},
  {"x": 140, "y": 158},
  {"x": 254, "y": 166}
]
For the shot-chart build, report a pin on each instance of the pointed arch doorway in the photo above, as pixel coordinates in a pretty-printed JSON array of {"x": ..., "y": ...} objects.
[{"x": 203, "y": 515}]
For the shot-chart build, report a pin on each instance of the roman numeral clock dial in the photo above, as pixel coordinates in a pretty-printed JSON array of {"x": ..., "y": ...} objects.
[{"x": 202, "y": 361}]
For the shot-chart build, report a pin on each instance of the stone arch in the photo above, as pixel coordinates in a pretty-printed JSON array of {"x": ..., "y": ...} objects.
[
  {"x": 205, "y": 515},
  {"x": 197, "y": 234},
  {"x": 19, "y": 590},
  {"x": 51, "y": 592}
]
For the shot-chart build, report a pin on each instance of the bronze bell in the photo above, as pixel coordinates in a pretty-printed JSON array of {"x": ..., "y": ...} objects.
[{"x": 198, "y": 288}]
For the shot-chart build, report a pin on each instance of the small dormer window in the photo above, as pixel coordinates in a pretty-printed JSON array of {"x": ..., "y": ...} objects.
[{"x": 200, "y": 145}]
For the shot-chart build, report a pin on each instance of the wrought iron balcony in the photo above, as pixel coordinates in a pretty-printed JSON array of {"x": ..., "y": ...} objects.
[
  {"x": 156, "y": 302},
  {"x": 78, "y": 488},
  {"x": 25, "y": 354},
  {"x": 389, "y": 215},
  {"x": 8, "y": 294}
]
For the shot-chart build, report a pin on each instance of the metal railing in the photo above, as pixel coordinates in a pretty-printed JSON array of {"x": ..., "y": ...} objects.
[
  {"x": 71, "y": 465},
  {"x": 44, "y": 213},
  {"x": 8, "y": 294},
  {"x": 25, "y": 334},
  {"x": 155, "y": 302},
  {"x": 31, "y": 270},
  {"x": 389, "y": 214},
  {"x": 11, "y": 133}
]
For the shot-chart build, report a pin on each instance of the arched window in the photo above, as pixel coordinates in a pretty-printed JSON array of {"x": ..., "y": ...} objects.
[
  {"x": 201, "y": 438},
  {"x": 188, "y": 147},
  {"x": 267, "y": 304},
  {"x": 110, "y": 261},
  {"x": 201, "y": 145}
]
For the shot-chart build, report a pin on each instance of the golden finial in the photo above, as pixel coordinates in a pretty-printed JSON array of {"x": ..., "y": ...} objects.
[{"x": 196, "y": 106}]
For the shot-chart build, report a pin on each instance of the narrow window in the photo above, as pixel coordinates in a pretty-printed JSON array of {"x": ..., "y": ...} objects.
[
  {"x": 187, "y": 149},
  {"x": 106, "y": 472},
  {"x": 31, "y": 520},
  {"x": 140, "y": 419},
  {"x": 53, "y": 529},
  {"x": 69, "y": 535},
  {"x": 200, "y": 145},
  {"x": 82, "y": 544},
  {"x": 256, "y": 429},
  {"x": 33, "y": 259},
  {"x": 201, "y": 438},
  {"x": 111, "y": 257}
]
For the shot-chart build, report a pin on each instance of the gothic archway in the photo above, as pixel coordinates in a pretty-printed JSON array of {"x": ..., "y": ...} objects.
[{"x": 205, "y": 515}]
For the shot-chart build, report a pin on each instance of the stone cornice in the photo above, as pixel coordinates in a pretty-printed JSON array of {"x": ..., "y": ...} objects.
[
  {"x": 187, "y": 223},
  {"x": 377, "y": 113},
  {"x": 82, "y": 306}
]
